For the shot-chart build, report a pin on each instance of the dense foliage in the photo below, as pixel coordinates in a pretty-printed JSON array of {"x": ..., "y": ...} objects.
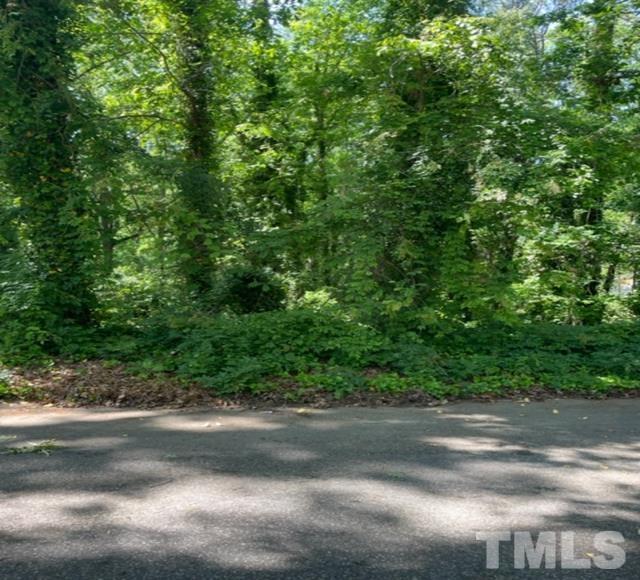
[{"x": 383, "y": 194}]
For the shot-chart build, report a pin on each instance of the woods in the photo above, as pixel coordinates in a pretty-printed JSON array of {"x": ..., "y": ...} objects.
[{"x": 437, "y": 194}]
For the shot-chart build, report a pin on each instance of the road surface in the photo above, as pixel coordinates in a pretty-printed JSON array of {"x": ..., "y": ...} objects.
[{"x": 340, "y": 493}]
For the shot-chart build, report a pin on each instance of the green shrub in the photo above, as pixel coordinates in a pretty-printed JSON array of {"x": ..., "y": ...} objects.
[
  {"x": 324, "y": 350},
  {"x": 246, "y": 289},
  {"x": 232, "y": 352}
]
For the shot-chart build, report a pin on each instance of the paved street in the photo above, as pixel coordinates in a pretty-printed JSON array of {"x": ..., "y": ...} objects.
[{"x": 339, "y": 493}]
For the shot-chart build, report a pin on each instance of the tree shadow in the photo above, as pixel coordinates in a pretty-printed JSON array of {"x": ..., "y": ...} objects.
[{"x": 344, "y": 493}]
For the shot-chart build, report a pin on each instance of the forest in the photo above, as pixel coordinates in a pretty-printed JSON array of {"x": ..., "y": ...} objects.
[{"x": 324, "y": 196}]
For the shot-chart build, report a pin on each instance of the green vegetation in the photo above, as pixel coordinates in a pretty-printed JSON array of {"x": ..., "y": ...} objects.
[
  {"x": 40, "y": 448},
  {"x": 301, "y": 351},
  {"x": 337, "y": 196}
]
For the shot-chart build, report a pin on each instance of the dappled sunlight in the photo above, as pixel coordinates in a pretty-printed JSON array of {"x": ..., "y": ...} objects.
[
  {"x": 472, "y": 444},
  {"x": 34, "y": 416},
  {"x": 479, "y": 419},
  {"x": 271, "y": 493},
  {"x": 228, "y": 422},
  {"x": 284, "y": 452}
]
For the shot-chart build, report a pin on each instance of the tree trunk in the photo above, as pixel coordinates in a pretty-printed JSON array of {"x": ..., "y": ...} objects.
[
  {"x": 600, "y": 79},
  {"x": 40, "y": 118},
  {"x": 200, "y": 192}
]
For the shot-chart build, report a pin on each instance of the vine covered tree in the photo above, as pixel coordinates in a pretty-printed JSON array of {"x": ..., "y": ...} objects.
[{"x": 42, "y": 118}]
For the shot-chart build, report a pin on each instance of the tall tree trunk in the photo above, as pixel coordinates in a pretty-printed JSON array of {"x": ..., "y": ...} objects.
[
  {"x": 268, "y": 181},
  {"x": 200, "y": 191},
  {"x": 422, "y": 93},
  {"x": 40, "y": 118},
  {"x": 600, "y": 79},
  {"x": 610, "y": 278}
]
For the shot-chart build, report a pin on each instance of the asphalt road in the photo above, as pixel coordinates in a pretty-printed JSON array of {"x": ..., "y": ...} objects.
[{"x": 342, "y": 493}]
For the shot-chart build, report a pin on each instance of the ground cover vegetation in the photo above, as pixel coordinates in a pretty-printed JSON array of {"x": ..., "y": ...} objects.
[{"x": 323, "y": 196}]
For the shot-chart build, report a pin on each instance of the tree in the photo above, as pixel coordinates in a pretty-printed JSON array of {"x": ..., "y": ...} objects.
[
  {"x": 200, "y": 190},
  {"x": 42, "y": 121}
]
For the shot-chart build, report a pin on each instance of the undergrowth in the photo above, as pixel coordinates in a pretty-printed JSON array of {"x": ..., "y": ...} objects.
[{"x": 306, "y": 350}]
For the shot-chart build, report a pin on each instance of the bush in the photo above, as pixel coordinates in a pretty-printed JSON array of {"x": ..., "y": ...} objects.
[
  {"x": 325, "y": 350},
  {"x": 233, "y": 352},
  {"x": 569, "y": 358},
  {"x": 245, "y": 289},
  {"x": 320, "y": 348}
]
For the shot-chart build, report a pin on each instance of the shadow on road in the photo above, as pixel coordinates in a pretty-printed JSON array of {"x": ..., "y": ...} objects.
[{"x": 345, "y": 493}]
